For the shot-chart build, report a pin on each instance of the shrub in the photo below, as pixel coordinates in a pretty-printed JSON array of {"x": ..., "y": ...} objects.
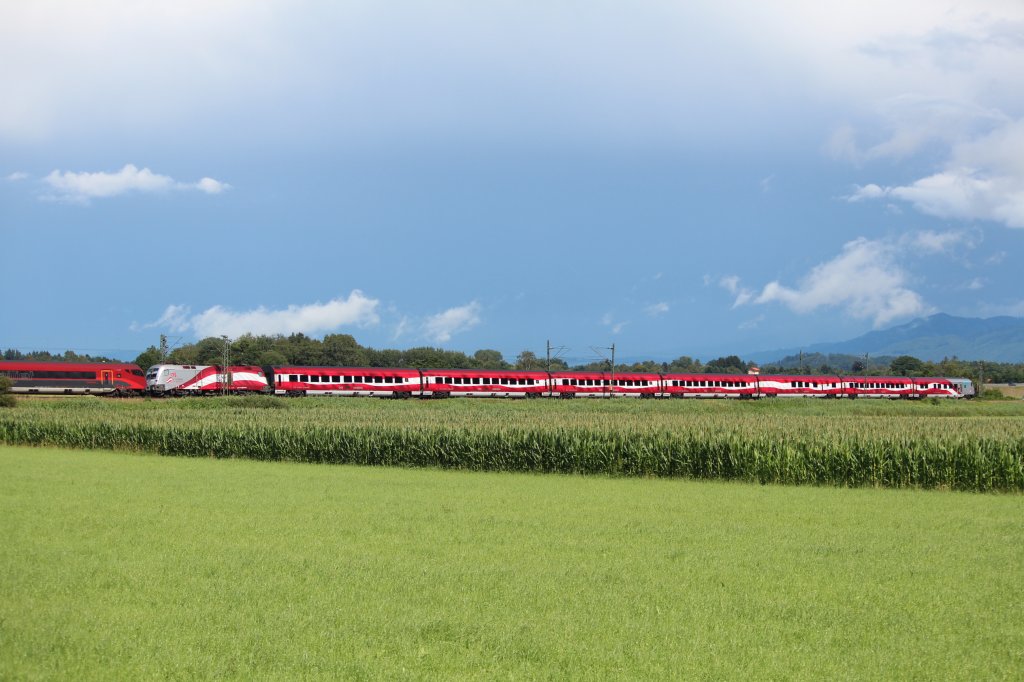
[{"x": 6, "y": 399}]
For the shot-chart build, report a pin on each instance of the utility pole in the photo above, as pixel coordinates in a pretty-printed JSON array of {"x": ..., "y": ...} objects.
[
  {"x": 163, "y": 347},
  {"x": 558, "y": 351},
  {"x": 611, "y": 381},
  {"x": 226, "y": 373}
]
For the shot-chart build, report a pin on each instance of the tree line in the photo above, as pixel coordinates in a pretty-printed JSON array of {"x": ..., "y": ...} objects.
[{"x": 342, "y": 350}]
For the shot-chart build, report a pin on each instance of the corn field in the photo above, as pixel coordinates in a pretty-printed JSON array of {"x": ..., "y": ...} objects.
[{"x": 957, "y": 446}]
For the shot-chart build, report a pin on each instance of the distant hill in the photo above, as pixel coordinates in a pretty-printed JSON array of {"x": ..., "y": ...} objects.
[{"x": 998, "y": 339}]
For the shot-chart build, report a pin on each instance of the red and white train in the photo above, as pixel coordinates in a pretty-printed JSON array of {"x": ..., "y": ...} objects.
[
  {"x": 485, "y": 383},
  {"x": 289, "y": 380},
  {"x": 74, "y": 378}
]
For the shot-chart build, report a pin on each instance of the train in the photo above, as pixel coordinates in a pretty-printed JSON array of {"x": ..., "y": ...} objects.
[
  {"x": 57, "y": 378},
  {"x": 74, "y": 378}
]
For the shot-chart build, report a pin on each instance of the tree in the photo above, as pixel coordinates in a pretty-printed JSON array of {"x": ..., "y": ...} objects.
[
  {"x": 148, "y": 358},
  {"x": 730, "y": 364},
  {"x": 906, "y": 365},
  {"x": 528, "y": 360},
  {"x": 684, "y": 364},
  {"x": 272, "y": 358},
  {"x": 341, "y": 350},
  {"x": 857, "y": 367},
  {"x": 486, "y": 358}
]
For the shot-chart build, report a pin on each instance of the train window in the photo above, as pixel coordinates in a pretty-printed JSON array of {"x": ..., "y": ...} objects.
[
  {"x": 347, "y": 380},
  {"x": 378, "y": 380},
  {"x": 304, "y": 378},
  {"x": 293, "y": 377},
  {"x": 335, "y": 379}
]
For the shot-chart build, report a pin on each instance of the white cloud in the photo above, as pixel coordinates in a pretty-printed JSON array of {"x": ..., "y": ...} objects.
[
  {"x": 175, "y": 319},
  {"x": 441, "y": 327},
  {"x": 211, "y": 186},
  {"x": 616, "y": 325},
  {"x": 1015, "y": 309},
  {"x": 983, "y": 179},
  {"x": 83, "y": 186},
  {"x": 870, "y": 191},
  {"x": 17, "y": 175},
  {"x": 975, "y": 284},
  {"x": 752, "y": 323},
  {"x": 732, "y": 285},
  {"x": 401, "y": 328},
  {"x": 196, "y": 64},
  {"x": 931, "y": 242},
  {"x": 358, "y": 310},
  {"x": 656, "y": 309},
  {"x": 864, "y": 279}
]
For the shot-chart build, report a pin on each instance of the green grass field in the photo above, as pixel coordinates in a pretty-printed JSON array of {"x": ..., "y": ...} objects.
[{"x": 126, "y": 566}]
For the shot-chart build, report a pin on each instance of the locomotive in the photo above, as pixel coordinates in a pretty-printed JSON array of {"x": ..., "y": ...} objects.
[
  {"x": 116, "y": 379},
  {"x": 74, "y": 378}
]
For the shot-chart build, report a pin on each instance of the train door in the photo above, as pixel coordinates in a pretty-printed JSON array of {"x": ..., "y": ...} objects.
[{"x": 106, "y": 377}]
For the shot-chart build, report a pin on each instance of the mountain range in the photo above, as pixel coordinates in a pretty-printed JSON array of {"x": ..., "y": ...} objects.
[{"x": 997, "y": 339}]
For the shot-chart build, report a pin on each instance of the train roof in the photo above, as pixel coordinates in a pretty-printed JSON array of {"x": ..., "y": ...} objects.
[{"x": 29, "y": 365}]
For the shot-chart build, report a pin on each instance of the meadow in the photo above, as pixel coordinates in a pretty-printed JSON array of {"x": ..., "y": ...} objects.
[
  {"x": 130, "y": 566},
  {"x": 957, "y": 445}
]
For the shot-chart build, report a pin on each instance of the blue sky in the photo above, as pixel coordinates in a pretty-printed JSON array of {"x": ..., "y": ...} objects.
[{"x": 695, "y": 178}]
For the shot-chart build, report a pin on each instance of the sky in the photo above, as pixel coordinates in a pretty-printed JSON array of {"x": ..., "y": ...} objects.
[{"x": 675, "y": 178}]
